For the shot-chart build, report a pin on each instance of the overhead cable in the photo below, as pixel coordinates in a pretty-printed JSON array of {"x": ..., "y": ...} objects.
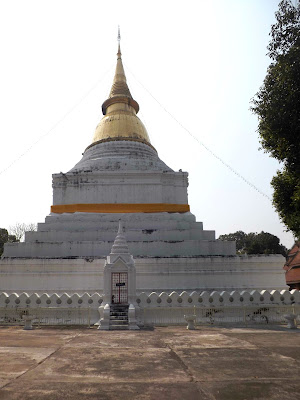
[
  {"x": 59, "y": 121},
  {"x": 201, "y": 143}
]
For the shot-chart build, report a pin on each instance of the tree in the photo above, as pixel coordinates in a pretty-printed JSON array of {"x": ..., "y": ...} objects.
[
  {"x": 4, "y": 238},
  {"x": 256, "y": 243},
  {"x": 20, "y": 228},
  {"x": 277, "y": 105},
  {"x": 239, "y": 237}
]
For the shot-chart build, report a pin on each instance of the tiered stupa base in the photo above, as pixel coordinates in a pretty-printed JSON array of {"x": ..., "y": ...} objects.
[
  {"x": 92, "y": 235},
  {"x": 172, "y": 253}
]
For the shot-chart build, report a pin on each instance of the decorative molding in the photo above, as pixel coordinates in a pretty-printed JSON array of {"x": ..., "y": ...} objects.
[
  {"x": 120, "y": 208},
  {"x": 171, "y": 300}
]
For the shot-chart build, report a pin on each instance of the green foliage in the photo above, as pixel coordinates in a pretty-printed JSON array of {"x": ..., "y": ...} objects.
[
  {"x": 256, "y": 243},
  {"x": 285, "y": 32},
  {"x": 4, "y": 238},
  {"x": 241, "y": 240},
  {"x": 277, "y": 105},
  {"x": 287, "y": 199}
]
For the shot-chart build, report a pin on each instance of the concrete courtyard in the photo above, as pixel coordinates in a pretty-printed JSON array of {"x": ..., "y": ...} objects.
[{"x": 164, "y": 363}]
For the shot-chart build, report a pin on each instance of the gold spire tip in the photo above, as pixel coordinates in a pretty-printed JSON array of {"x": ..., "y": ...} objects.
[{"x": 119, "y": 40}]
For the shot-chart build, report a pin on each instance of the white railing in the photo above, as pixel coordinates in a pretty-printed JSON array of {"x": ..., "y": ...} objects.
[
  {"x": 49, "y": 316},
  {"x": 218, "y": 299},
  {"x": 244, "y": 316},
  {"x": 247, "y": 307}
]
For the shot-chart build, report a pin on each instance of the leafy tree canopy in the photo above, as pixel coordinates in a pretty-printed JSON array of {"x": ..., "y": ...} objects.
[
  {"x": 277, "y": 105},
  {"x": 285, "y": 31},
  {"x": 256, "y": 243}
]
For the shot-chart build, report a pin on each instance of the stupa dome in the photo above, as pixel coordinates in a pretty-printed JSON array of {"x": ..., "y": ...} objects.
[{"x": 120, "y": 121}]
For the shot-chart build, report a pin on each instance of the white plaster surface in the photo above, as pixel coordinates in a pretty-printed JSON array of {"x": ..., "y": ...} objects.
[
  {"x": 171, "y": 250},
  {"x": 152, "y": 274},
  {"x": 92, "y": 235},
  {"x": 120, "y": 172}
]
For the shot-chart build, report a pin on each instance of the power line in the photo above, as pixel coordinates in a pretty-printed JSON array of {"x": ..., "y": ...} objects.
[
  {"x": 202, "y": 144},
  {"x": 167, "y": 111},
  {"x": 58, "y": 122}
]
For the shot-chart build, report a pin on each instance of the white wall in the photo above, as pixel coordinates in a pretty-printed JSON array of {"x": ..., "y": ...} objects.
[{"x": 152, "y": 274}]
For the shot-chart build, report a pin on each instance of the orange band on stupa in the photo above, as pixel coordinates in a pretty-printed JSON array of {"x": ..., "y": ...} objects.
[{"x": 120, "y": 208}]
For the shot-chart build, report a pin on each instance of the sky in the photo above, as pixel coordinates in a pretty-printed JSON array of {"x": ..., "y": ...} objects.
[{"x": 192, "y": 66}]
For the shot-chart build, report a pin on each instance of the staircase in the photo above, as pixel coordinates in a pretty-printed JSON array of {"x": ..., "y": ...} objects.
[{"x": 118, "y": 317}]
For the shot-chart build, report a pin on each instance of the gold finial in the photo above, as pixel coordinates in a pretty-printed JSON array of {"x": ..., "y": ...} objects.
[{"x": 119, "y": 40}]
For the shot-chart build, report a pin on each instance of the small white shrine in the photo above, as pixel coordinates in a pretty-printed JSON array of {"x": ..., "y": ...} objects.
[{"x": 119, "y": 287}]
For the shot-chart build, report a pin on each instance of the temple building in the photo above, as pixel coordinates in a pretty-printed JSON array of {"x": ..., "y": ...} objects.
[
  {"x": 121, "y": 177},
  {"x": 292, "y": 267}
]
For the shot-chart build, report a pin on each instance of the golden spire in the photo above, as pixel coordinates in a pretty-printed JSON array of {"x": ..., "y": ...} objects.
[
  {"x": 119, "y": 90},
  {"x": 119, "y": 40},
  {"x": 120, "y": 121}
]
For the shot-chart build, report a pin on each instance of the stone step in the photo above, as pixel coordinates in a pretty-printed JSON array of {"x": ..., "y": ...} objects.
[
  {"x": 119, "y": 318},
  {"x": 69, "y": 234},
  {"x": 118, "y": 327},
  {"x": 118, "y": 307},
  {"x": 118, "y": 322},
  {"x": 107, "y": 226},
  {"x": 118, "y": 312},
  {"x": 185, "y": 248},
  {"x": 129, "y": 218}
]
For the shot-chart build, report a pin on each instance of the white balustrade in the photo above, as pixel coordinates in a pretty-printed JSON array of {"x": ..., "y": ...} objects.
[{"x": 156, "y": 308}]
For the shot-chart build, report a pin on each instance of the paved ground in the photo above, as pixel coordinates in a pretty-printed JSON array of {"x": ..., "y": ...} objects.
[{"x": 166, "y": 363}]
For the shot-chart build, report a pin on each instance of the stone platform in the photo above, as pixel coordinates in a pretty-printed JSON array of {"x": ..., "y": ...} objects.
[
  {"x": 166, "y": 363},
  {"x": 92, "y": 235}
]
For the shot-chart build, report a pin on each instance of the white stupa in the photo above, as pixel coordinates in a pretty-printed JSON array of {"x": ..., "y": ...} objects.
[{"x": 121, "y": 176}]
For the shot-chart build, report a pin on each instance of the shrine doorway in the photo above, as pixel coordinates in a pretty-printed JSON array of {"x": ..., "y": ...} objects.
[{"x": 119, "y": 288}]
